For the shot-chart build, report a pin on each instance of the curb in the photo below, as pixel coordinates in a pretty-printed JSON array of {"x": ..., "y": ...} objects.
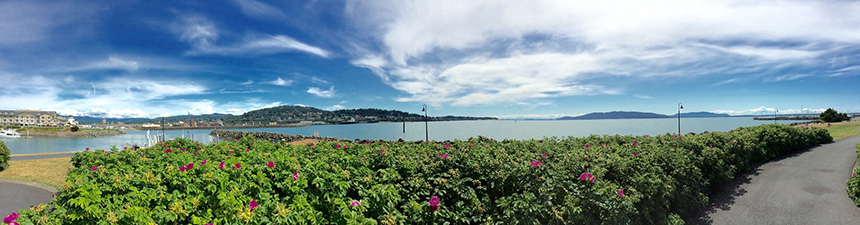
[{"x": 32, "y": 184}]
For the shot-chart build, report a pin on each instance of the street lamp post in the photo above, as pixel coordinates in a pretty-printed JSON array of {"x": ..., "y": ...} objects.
[
  {"x": 774, "y": 115},
  {"x": 680, "y": 107},
  {"x": 426, "y": 131}
]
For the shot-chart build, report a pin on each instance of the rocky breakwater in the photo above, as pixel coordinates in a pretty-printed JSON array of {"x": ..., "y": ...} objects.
[
  {"x": 272, "y": 137},
  {"x": 78, "y": 134}
]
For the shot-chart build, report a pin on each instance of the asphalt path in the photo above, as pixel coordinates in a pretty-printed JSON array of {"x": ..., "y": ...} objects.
[
  {"x": 16, "y": 195},
  {"x": 806, "y": 187}
]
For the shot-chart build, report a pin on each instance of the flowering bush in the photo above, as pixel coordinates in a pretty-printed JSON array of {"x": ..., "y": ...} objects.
[
  {"x": 853, "y": 183},
  {"x": 478, "y": 180},
  {"x": 4, "y": 156}
]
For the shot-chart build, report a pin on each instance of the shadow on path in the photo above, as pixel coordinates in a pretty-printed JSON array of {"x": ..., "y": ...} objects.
[{"x": 724, "y": 197}]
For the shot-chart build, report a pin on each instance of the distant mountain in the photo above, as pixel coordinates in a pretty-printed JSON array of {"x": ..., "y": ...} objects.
[
  {"x": 614, "y": 115},
  {"x": 169, "y": 119},
  {"x": 88, "y": 119},
  {"x": 295, "y": 114},
  {"x": 637, "y": 115},
  {"x": 701, "y": 114}
]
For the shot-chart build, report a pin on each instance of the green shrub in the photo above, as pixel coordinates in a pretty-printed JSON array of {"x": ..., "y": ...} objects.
[
  {"x": 636, "y": 180},
  {"x": 4, "y": 156},
  {"x": 853, "y": 183},
  {"x": 74, "y": 128}
]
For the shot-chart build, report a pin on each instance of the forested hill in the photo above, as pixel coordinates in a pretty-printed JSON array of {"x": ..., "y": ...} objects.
[{"x": 296, "y": 114}]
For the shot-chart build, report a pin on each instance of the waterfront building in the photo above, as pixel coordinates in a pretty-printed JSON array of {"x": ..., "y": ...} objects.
[{"x": 34, "y": 118}]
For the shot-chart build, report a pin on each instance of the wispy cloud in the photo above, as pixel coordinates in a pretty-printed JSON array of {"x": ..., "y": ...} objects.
[
  {"x": 532, "y": 50},
  {"x": 282, "y": 82},
  {"x": 249, "y": 82},
  {"x": 118, "y": 96},
  {"x": 733, "y": 80},
  {"x": 643, "y": 97},
  {"x": 203, "y": 36},
  {"x": 762, "y": 110},
  {"x": 258, "y": 9},
  {"x": 330, "y": 93}
]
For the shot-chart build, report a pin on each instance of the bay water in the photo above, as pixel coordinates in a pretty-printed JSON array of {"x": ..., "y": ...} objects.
[{"x": 449, "y": 130}]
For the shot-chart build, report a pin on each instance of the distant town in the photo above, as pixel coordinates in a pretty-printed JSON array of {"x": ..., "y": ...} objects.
[{"x": 282, "y": 116}]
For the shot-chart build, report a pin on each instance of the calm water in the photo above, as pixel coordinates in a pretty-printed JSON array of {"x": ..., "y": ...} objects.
[{"x": 501, "y": 129}]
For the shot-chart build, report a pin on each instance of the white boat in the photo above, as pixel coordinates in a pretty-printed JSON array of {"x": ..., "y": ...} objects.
[{"x": 9, "y": 134}]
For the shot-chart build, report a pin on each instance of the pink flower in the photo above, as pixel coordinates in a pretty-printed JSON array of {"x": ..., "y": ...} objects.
[
  {"x": 445, "y": 156},
  {"x": 447, "y": 145},
  {"x": 634, "y": 143},
  {"x": 253, "y": 205},
  {"x": 195, "y": 155},
  {"x": 312, "y": 144},
  {"x": 222, "y": 165},
  {"x": 190, "y": 165},
  {"x": 363, "y": 159},
  {"x": 434, "y": 203},
  {"x": 247, "y": 150},
  {"x": 271, "y": 164},
  {"x": 634, "y": 154},
  {"x": 356, "y": 203},
  {"x": 620, "y": 193},
  {"x": 294, "y": 153},
  {"x": 182, "y": 169},
  {"x": 536, "y": 163},
  {"x": 296, "y": 176},
  {"x": 587, "y": 177},
  {"x": 203, "y": 162},
  {"x": 94, "y": 168},
  {"x": 231, "y": 151},
  {"x": 87, "y": 150},
  {"x": 336, "y": 146},
  {"x": 543, "y": 155},
  {"x": 237, "y": 166},
  {"x": 587, "y": 146},
  {"x": 11, "y": 218},
  {"x": 183, "y": 149},
  {"x": 168, "y": 151},
  {"x": 381, "y": 150}
]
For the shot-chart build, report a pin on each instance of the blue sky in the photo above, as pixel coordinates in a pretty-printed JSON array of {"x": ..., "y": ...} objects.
[{"x": 510, "y": 59}]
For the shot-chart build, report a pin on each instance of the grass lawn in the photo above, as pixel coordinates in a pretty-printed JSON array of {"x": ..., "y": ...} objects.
[
  {"x": 842, "y": 130},
  {"x": 46, "y": 171}
]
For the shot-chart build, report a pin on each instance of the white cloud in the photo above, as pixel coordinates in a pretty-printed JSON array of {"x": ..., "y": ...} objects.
[
  {"x": 498, "y": 52},
  {"x": 322, "y": 93},
  {"x": 282, "y": 82},
  {"x": 336, "y": 107},
  {"x": 114, "y": 97},
  {"x": 534, "y": 116},
  {"x": 258, "y": 9},
  {"x": 115, "y": 62},
  {"x": 643, "y": 97},
  {"x": 249, "y": 82},
  {"x": 203, "y": 36},
  {"x": 770, "y": 111}
]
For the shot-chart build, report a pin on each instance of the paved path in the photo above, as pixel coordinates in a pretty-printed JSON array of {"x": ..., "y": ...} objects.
[
  {"x": 15, "y": 195},
  {"x": 47, "y": 156},
  {"x": 803, "y": 188}
]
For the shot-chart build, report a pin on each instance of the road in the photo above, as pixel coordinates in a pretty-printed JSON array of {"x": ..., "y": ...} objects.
[{"x": 807, "y": 187}]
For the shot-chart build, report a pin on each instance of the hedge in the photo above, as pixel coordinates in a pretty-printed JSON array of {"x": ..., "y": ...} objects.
[{"x": 588, "y": 180}]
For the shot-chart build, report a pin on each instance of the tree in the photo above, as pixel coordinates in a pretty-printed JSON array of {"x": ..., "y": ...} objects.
[
  {"x": 75, "y": 129},
  {"x": 831, "y": 115}
]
